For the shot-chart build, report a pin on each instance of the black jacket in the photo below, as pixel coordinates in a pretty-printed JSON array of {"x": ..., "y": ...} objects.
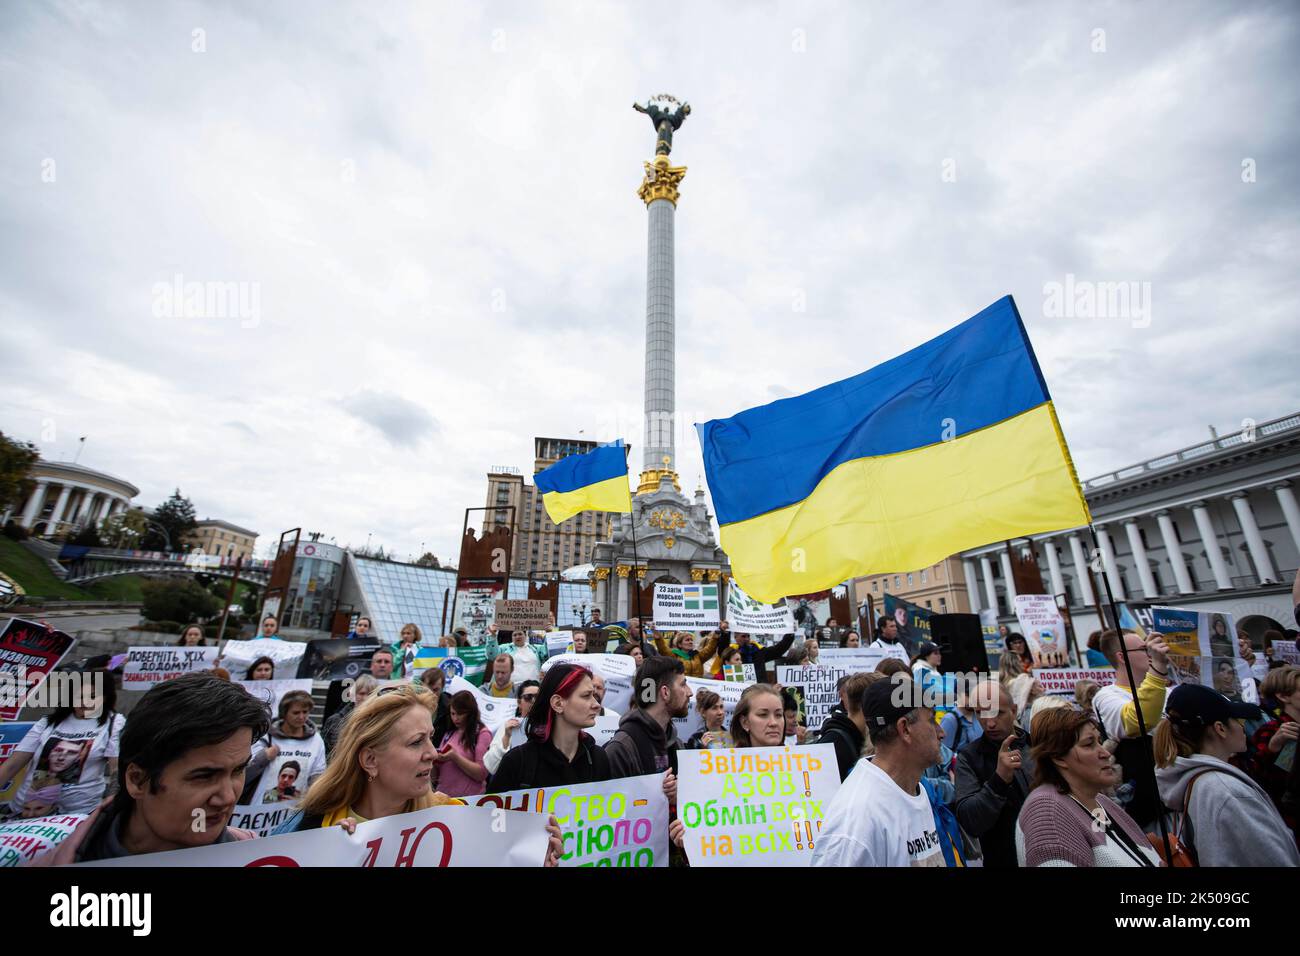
[
  {"x": 986, "y": 807},
  {"x": 641, "y": 746},
  {"x": 537, "y": 764},
  {"x": 751, "y": 653},
  {"x": 844, "y": 735}
]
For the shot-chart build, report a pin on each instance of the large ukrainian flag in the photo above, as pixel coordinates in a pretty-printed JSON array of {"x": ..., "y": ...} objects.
[
  {"x": 596, "y": 481},
  {"x": 949, "y": 446}
]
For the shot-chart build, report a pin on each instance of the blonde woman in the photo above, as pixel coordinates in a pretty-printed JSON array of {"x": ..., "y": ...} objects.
[
  {"x": 682, "y": 646},
  {"x": 381, "y": 767},
  {"x": 404, "y": 651}
]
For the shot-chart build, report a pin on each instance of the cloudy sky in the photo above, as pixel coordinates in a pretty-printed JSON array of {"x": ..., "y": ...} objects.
[{"x": 430, "y": 212}]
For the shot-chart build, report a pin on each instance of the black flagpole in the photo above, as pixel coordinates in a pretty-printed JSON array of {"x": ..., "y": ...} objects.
[
  {"x": 1137, "y": 705},
  {"x": 636, "y": 558}
]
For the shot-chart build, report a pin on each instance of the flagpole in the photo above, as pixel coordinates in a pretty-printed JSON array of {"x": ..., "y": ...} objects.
[
  {"x": 1137, "y": 706},
  {"x": 636, "y": 558}
]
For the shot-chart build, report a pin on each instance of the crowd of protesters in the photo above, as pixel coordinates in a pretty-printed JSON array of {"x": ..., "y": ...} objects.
[{"x": 1000, "y": 775}]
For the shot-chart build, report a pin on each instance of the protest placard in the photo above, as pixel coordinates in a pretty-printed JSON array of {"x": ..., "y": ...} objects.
[
  {"x": 686, "y": 607},
  {"x": 11, "y": 735},
  {"x": 559, "y": 642},
  {"x": 613, "y": 823},
  {"x": 492, "y": 711},
  {"x": 440, "y": 836},
  {"x": 148, "y": 667},
  {"x": 729, "y": 691},
  {"x": 238, "y": 656},
  {"x": 476, "y": 607},
  {"x": 467, "y": 662},
  {"x": 1044, "y": 629},
  {"x": 263, "y": 819},
  {"x": 24, "y": 840},
  {"x": 913, "y": 622},
  {"x": 748, "y": 616},
  {"x": 1061, "y": 680},
  {"x": 758, "y": 806},
  {"x": 335, "y": 658},
  {"x": 28, "y": 652},
  {"x": 992, "y": 636},
  {"x": 1203, "y": 650},
  {"x": 617, "y": 669},
  {"x": 522, "y": 615},
  {"x": 739, "y": 673},
  {"x": 1286, "y": 652},
  {"x": 271, "y": 691},
  {"x": 817, "y": 681}
]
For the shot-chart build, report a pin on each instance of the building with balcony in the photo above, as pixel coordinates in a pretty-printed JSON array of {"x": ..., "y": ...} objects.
[
  {"x": 213, "y": 536},
  {"x": 1214, "y": 526}
]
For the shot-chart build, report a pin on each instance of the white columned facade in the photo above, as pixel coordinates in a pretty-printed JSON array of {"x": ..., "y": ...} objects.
[
  {"x": 1212, "y": 550},
  {"x": 1081, "y": 571},
  {"x": 622, "y": 597},
  {"x": 1054, "y": 567},
  {"x": 1110, "y": 567},
  {"x": 990, "y": 590},
  {"x": 1172, "y": 548},
  {"x": 57, "y": 514},
  {"x": 972, "y": 585},
  {"x": 1286, "y": 498},
  {"x": 1254, "y": 540},
  {"x": 1008, "y": 579},
  {"x": 1140, "y": 558},
  {"x": 34, "y": 503}
]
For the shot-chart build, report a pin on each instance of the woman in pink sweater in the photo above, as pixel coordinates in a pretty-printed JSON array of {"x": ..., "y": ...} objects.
[{"x": 458, "y": 769}]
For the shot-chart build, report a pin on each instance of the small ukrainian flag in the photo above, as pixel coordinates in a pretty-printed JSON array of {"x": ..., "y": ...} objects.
[
  {"x": 946, "y": 447},
  {"x": 596, "y": 481}
]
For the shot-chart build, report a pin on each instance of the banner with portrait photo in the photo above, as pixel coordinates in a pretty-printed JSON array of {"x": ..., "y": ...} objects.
[
  {"x": 1203, "y": 650},
  {"x": 476, "y": 605},
  {"x": 272, "y": 691},
  {"x": 238, "y": 656},
  {"x": 447, "y": 836},
  {"x": 913, "y": 622},
  {"x": 11, "y": 735}
]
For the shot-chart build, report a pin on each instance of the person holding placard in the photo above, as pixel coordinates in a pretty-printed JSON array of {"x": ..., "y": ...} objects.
[
  {"x": 192, "y": 636},
  {"x": 527, "y": 658},
  {"x": 407, "y": 647},
  {"x": 759, "y": 717},
  {"x": 293, "y": 739},
  {"x": 682, "y": 646},
  {"x": 270, "y": 628},
  {"x": 1227, "y": 818},
  {"x": 712, "y": 736},
  {"x": 760, "y": 657},
  {"x": 556, "y": 750},
  {"x": 75, "y": 749},
  {"x": 184, "y": 750},
  {"x": 261, "y": 669},
  {"x": 509, "y": 732},
  {"x": 1274, "y": 745}
]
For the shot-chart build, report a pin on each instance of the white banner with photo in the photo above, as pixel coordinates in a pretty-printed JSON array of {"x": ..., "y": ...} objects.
[
  {"x": 617, "y": 670},
  {"x": 238, "y": 656},
  {"x": 271, "y": 691},
  {"x": 729, "y": 691}
]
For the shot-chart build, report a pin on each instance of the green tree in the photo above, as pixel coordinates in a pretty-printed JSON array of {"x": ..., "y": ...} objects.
[
  {"x": 177, "y": 599},
  {"x": 124, "y": 530},
  {"x": 16, "y": 460},
  {"x": 428, "y": 560},
  {"x": 176, "y": 515}
]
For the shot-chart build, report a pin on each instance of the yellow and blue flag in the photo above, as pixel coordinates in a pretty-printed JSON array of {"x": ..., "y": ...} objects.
[
  {"x": 947, "y": 447},
  {"x": 596, "y": 481}
]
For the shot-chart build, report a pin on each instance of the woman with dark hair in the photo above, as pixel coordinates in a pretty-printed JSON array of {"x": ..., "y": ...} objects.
[
  {"x": 511, "y": 732},
  {"x": 1067, "y": 819},
  {"x": 191, "y": 636},
  {"x": 631, "y": 650},
  {"x": 261, "y": 669},
  {"x": 728, "y": 655},
  {"x": 1016, "y": 644},
  {"x": 78, "y": 748},
  {"x": 712, "y": 736},
  {"x": 458, "y": 769},
  {"x": 556, "y": 750}
]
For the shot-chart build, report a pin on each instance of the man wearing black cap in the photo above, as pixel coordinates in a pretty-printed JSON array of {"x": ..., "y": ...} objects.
[{"x": 881, "y": 815}]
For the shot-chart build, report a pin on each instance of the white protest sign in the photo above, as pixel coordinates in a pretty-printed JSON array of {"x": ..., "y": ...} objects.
[
  {"x": 1044, "y": 629},
  {"x": 617, "y": 669},
  {"x": 262, "y": 820},
  {"x": 492, "y": 711},
  {"x": 756, "y": 806},
  {"x": 1061, "y": 680},
  {"x": 24, "y": 840},
  {"x": 686, "y": 607},
  {"x": 748, "y": 616},
  {"x": 440, "y": 836},
  {"x": 147, "y": 667},
  {"x": 818, "y": 680},
  {"x": 238, "y": 656},
  {"x": 271, "y": 691},
  {"x": 857, "y": 660},
  {"x": 604, "y": 729},
  {"x": 729, "y": 691},
  {"x": 613, "y": 823},
  {"x": 1286, "y": 652}
]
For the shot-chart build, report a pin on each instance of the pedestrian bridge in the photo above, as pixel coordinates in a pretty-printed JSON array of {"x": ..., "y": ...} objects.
[{"x": 83, "y": 565}]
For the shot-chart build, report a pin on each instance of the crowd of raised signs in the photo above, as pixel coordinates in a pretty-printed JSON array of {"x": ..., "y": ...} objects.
[{"x": 681, "y": 748}]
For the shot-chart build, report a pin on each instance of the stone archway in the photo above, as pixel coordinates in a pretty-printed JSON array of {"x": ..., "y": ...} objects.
[{"x": 1255, "y": 625}]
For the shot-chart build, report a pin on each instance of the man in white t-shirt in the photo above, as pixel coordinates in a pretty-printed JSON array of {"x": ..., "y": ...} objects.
[{"x": 881, "y": 814}]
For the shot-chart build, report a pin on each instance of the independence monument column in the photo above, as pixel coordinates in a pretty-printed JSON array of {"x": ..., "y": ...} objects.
[{"x": 659, "y": 192}]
